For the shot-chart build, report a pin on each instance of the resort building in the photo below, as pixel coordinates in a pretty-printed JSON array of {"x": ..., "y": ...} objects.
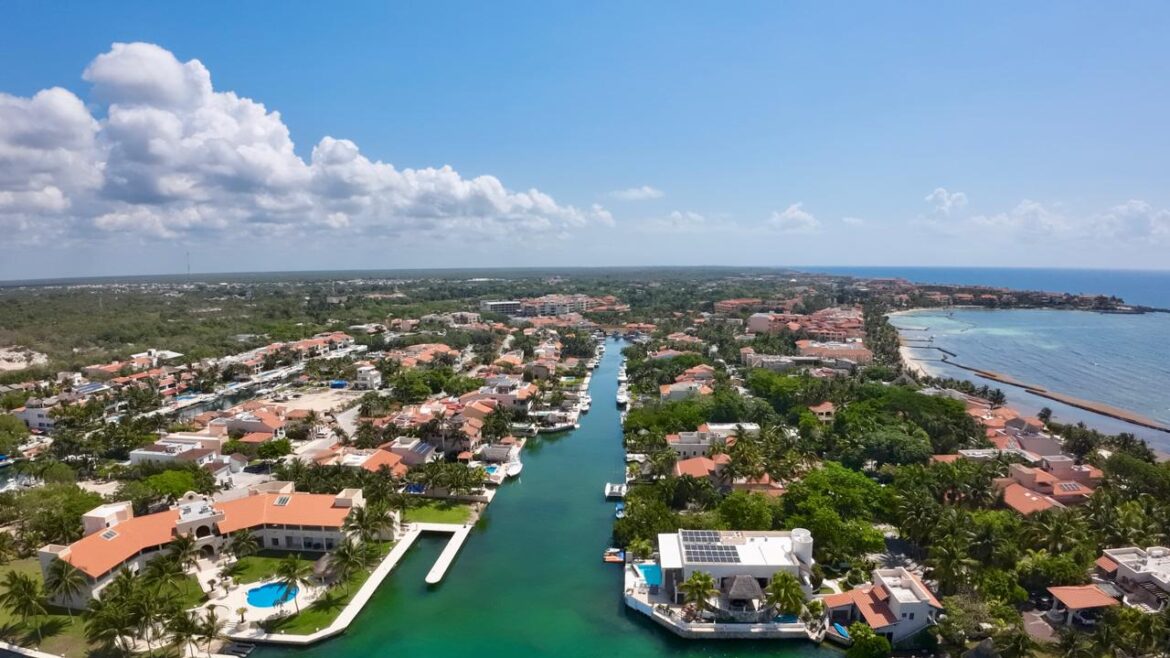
[
  {"x": 742, "y": 562},
  {"x": 1143, "y": 575},
  {"x": 854, "y": 350},
  {"x": 510, "y": 307},
  {"x": 896, "y": 604},
  {"x": 699, "y": 442},
  {"x": 278, "y": 517}
]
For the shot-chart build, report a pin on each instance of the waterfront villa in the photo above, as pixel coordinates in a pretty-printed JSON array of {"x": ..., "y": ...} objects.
[
  {"x": 278, "y": 516},
  {"x": 741, "y": 561},
  {"x": 742, "y": 564},
  {"x": 895, "y": 604}
]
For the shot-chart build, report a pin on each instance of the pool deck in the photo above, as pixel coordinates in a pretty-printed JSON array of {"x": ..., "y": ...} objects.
[{"x": 411, "y": 532}]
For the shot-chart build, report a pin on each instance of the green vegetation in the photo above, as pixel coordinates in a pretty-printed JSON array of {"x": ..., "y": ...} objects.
[
  {"x": 322, "y": 612},
  {"x": 438, "y": 511},
  {"x": 265, "y": 564}
]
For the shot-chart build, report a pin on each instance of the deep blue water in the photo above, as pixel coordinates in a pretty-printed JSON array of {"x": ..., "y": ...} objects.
[
  {"x": 1121, "y": 360},
  {"x": 1146, "y": 287}
]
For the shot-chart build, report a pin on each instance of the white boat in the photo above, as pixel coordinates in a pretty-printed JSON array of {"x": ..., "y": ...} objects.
[
  {"x": 622, "y": 379},
  {"x": 513, "y": 469},
  {"x": 623, "y": 398}
]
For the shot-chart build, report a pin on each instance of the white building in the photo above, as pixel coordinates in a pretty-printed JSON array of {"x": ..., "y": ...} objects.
[
  {"x": 1144, "y": 574},
  {"x": 728, "y": 555},
  {"x": 896, "y": 604},
  {"x": 368, "y": 377},
  {"x": 509, "y": 307}
]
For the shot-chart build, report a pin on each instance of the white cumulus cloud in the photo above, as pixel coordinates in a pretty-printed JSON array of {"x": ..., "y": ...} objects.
[
  {"x": 945, "y": 202},
  {"x": 643, "y": 193},
  {"x": 795, "y": 219},
  {"x": 172, "y": 156}
]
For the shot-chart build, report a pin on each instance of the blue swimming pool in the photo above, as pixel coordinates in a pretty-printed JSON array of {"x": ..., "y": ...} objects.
[
  {"x": 651, "y": 573},
  {"x": 786, "y": 619},
  {"x": 492, "y": 468},
  {"x": 270, "y": 595}
]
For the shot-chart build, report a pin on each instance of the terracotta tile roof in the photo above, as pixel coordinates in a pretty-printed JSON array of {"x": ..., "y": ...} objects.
[
  {"x": 96, "y": 555},
  {"x": 1106, "y": 564},
  {"x": 1025, "y": 501},
  {"x": 870, "y": 602},
  {"x": 945, "y": 459},
  {"x": 1082, "y": 597},
  {"x": 388, "y": 459},
  {"x": 256, "y": 437},
  {"x": 698, "y": 467},
  {"x": 301, "y": 509}
]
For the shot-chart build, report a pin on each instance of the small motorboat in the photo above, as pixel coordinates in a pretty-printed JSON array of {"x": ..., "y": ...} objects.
[
  {"x": 513, "y": 469},
  {"x": 614, "y": 555}
]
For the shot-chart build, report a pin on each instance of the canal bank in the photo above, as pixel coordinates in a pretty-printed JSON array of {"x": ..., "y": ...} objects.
[{"x": 529, "y": 580}]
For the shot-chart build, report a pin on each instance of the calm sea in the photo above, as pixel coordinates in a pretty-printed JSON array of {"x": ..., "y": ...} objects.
[
  {"x": 1120, "y": 360},
  {"x": 1146, "y": 287}
]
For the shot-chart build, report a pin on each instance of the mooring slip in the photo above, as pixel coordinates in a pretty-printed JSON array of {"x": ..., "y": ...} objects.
[{"x": 458, "y": 533}]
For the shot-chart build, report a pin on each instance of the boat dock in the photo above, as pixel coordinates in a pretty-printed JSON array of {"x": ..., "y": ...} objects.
[{"x": 459, "y": 535}]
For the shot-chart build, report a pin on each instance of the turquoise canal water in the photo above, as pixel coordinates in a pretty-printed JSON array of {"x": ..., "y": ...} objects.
[
  {"x": 1121, "y": 360},
  {"x": 530, "y": 580}
]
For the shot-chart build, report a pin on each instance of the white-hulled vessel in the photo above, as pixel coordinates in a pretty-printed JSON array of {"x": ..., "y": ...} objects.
[{"x": 513, "y": 468}]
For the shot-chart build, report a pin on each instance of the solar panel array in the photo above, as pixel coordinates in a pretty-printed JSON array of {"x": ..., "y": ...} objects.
[{"x": 702, "y": 546}]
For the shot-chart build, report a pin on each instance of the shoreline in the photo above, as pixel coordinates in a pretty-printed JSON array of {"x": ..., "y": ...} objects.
[{"x": 917, "y": 366}]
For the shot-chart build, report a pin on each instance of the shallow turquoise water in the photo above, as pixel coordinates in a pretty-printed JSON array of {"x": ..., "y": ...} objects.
[
  {"x": 530, "y": 580},
  {"x": 1121, "y": 360}
]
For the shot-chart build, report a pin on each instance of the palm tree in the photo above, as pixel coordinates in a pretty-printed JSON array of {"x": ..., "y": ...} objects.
[
  {"x": 184, "y": 628},
  {"x": 698, "y": 589},
  {"x": 291, "y": 573},
  {"x": 243, "y": 544},
  {"x": 211, "y": 628},
  {"x": 184, "y": 552},
  {"x": 23, "y": 598},
  {"x": 814, "y": 613},
  {"x": 1073, "y": 644},
  {"x": 641, "y": 548},
  {"x": 368, "y": 522},
  {"x": 346, "y": 560},
  {"x": 950, "y": 563},
  {"x": 785, "y": 594},
  {"x": 108, "y": 621},
  {"x": 64, "y": 581},
  {"x": 1015, "y": 643}
]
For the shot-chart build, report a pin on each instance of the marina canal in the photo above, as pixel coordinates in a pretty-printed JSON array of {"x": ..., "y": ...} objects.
[{"x": 530, "y": 580}]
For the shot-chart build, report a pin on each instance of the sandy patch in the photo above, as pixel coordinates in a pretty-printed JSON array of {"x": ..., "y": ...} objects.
[
  {"x": 322, "y": 400},
  {"x": 19, "y": 358}
]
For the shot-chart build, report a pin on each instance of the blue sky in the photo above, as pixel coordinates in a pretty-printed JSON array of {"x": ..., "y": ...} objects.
[{"x": 652, "y": 133}]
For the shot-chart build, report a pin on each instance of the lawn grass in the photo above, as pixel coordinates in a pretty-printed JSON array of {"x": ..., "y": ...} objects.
[
  {"x": 263, "y": 565},
  {"x": 438, "y": 511},
  {"x": 324, "y": 610},
  {"x": 60, "y": 634}
]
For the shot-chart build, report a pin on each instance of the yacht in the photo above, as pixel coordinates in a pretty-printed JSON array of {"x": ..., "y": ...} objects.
[
  {"x": 513, "y": 468},
  {"x": 622, "y": 379},
  {"x": 623, "y": 398}
]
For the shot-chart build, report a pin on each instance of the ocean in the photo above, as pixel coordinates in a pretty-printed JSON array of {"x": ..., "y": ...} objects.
[
  {"x": 1145, "y": 287},
  {"x": 1120, "y": 360}
]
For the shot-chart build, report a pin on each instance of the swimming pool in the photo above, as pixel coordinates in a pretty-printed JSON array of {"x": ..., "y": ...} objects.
[
  {"x": 651, "y": 573},
  {"x": 270, "y": 595},
  {"x": 786, "y": 619},
  {"x": 492, "y": 469}
]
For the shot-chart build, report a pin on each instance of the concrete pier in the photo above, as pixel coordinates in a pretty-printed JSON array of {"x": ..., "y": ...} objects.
[{"x": 459, "y": 535}]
